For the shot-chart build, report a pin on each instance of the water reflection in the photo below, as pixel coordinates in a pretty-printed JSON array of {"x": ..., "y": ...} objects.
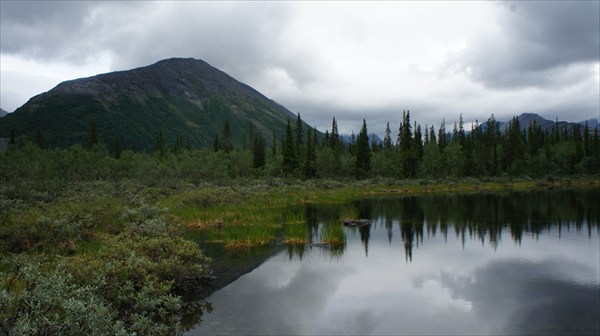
[
  {"x": 481, "y": 216},
  {"x": 533, "y": 298},
  {"x": 429, "y": 265}
]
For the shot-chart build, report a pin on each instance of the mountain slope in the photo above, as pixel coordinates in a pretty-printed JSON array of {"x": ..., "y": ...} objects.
[
  {"x": 526, "y": 119},
  {"x": 592, "y": 123},
  {"x": 184, "y": 98},
  {"x": 3, "y": 113}
]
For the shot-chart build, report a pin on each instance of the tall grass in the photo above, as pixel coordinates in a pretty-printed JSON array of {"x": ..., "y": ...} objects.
[
  {"x": 296, "y": 234},
  {"x": 333, "y": 234}
]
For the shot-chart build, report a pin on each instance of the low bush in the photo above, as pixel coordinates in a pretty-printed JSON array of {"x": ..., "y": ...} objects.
[{"x": 131, "y": 286}]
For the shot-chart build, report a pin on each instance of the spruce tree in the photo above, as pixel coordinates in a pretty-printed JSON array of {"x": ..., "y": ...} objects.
[
  {"x": 454, "y": 139},
  {"x": 418, "y": 142},
  {"x": 596, "y": 144},
  {"x": 178, "y": 145},
  {"x": 432, "y": 136},
  {"x": 535, "y": 138},
  {"x": 407, "y": 136},
  {"x": 309, "y": 168},
  {"x": 290, "y": 162},
  {"x": 352, "y": 145},
  {"x": 442, "y": 140},
  {"x": 363, "y": 152},
  {"x": 216, "y": 144},
  {"x": 374, "y": 144},
  {"x": 13, "y": 137},
  {"x": 118, "y": 148},
  {"x": 93, "y": 135},
  {"x": 335, "y": 141},
  {"x": 387, "y": 139},
  {"x": 299, "y": 132},
  {"x": 578, "y": 144},
  {"x": 461, "y": 131},
  {"x": 407, "y": 150},
  {"x": 514, "y": 148},
  {"x": 226, "y": 142},
  {"x": 258, "y": 151},
  {"x": 587, "y": 148},
  {"x": 159, "y": 144},
  {"x": 556, "y": 131},
  {"x": 401, "y": 130}
]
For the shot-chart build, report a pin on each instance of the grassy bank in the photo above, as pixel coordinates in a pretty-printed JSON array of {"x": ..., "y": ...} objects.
[{"x": 253, "y": 213}]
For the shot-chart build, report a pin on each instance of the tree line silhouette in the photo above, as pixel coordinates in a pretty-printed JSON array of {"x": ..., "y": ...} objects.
[{"x": 417, "y": 152}]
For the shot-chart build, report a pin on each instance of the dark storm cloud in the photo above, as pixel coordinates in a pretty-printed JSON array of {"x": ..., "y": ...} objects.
[
  {"x": 39, "y": 29},
  {"x": 244, "y": 39},
  {"x": 536, "y": 44},
  {"x": 72, "y": 31}
]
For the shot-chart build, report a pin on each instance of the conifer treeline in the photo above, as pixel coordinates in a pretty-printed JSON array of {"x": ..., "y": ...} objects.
[{"x": 417, "y": 152}]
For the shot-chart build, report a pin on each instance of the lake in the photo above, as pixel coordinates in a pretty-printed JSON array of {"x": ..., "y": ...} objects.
[{"x": 479, "y": 263}]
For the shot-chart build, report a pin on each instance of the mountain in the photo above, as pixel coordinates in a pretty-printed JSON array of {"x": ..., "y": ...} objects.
[
  {"x": 372, "y": 137},
  {"x": 526, "y": 119},
  {"x": 592, "y": 123},
  {"x": 182, "y": 98},
  {"x": 2, "y": 113}
]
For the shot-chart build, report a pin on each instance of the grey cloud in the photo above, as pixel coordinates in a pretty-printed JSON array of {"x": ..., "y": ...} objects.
[
  {"x": 538, "y": 41},
  {"x": 75, "y": 32},
  {"x": 542, "y": 44},
  {"x": 526, "y": 298},
  {"x": 243, "y": 39},
  {"x": 288, "y": 310},
  {"x": 39, "y": 29}
]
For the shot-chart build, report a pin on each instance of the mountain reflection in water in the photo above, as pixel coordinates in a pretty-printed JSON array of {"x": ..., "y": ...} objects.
[{"x": 427, "y": 264}]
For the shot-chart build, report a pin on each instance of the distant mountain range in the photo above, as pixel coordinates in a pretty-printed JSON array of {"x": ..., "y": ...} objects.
[
  {"x": 2, "y": 113},
  {"x": 182, "y": 98},
  {"x": 372, "y": 137},
  {"x": 527, "y": 119}
]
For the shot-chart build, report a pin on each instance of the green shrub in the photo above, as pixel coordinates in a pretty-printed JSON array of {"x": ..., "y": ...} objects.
[
  {"x": 33, "y": 302},
  {"x": 130, "y": 287},
  {"x": 147, "y": 220}
]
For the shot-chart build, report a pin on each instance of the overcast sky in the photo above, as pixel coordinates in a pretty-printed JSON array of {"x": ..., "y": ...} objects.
[{"x": 351, "y": 60}]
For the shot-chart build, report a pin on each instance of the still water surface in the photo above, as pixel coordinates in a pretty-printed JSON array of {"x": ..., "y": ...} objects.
[{"x": 511, "y": 263}]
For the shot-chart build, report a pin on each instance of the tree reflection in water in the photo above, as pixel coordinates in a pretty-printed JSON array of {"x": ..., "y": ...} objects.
[
  {"x": 481, "y": 216},
  {"x": 482, "y": 263}
]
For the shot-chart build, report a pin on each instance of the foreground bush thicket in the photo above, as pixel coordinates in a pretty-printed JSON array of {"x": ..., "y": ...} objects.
[{"x": 76, "y": 274}]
